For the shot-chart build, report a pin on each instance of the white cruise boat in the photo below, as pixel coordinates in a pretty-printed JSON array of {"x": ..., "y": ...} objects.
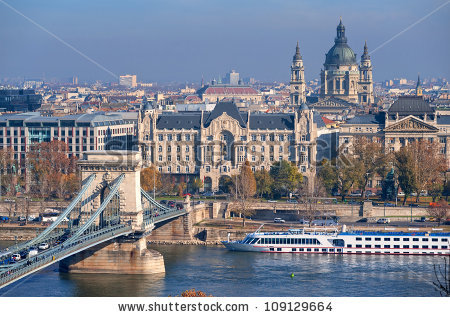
[{"x": 352, "y": 242}]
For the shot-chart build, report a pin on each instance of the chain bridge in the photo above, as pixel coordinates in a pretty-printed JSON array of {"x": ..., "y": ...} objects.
[{"x": 110, "y": 210}]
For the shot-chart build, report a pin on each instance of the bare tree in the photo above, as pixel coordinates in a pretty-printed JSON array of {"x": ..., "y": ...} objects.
[
  {"x": 310, "y": 200},
  {"x": 440, "y": 211},
  {"x": 244, "y": 191},
  {"x": 442, "y": 278}
]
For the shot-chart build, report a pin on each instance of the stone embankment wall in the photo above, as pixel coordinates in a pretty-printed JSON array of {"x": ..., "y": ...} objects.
[
  {"x": 22, "y": 233},
  {"x": 292, "y": 212},
  {"x": 18, "y": 207}
]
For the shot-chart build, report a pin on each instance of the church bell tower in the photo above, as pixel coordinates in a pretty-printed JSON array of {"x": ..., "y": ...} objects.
[
  {"x": 298, "y": 85},
  {"x": 365, "y": 83}
]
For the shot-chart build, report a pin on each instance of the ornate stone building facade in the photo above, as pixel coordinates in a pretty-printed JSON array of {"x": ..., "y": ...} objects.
[
  {"x": 213, "y": 145},
  {"x": 342, "y": 77},
  {"x": 409, "y": 118}
]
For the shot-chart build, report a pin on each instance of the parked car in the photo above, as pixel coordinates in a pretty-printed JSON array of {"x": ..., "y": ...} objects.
[
  {"x": 272, "y": 201},
  {"x": 164, "y": 202},
  {"x": 43, "y": 246},
  {"x": 21, "y": 218},
  {"x": 363, "y": 220},
  {"x": 4, "y": 219},
  {"x": 279, "y": 220},
  {"x": 15, "y": 257},
  {"x": 219, "y": 192},
  {"x": 292, "y": 201},
  {"x": 383, "y": 220},
  {"x": 422, "y": 219},
  {"x": 356, "y": 193},
  {"x": 31, "y": 218},
  {"x": 208, "y": 194},
  {"x": 303, "y": 222},
  {"x": 401, "y": 194},
  {"x": 389, "y": 205},
  {"x": 414, "y": 205}
]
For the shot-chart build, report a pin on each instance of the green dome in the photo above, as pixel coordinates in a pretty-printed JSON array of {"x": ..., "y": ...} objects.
[{"x": 340, "y": 53}]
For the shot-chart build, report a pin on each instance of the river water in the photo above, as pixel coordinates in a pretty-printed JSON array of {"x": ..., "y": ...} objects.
[{"x": 218, "y": 272}]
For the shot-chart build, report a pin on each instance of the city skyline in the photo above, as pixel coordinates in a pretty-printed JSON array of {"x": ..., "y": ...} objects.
[{"x": 184, "y": 41}]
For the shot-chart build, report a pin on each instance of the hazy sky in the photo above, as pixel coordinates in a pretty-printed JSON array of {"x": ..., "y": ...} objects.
[{"x": 181, "y": 40}]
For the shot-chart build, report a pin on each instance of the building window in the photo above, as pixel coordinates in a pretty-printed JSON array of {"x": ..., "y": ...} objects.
[
  {"x": 160, "y": 137},
  {"x": 178, "y": 169},
  {"x": 208, "y": 169},
  {"x": 169, "y": 137},
  {"x": 253, "y": 137},
  {"x": 187, "y": 148},
  {"x": 169, "y": 169},
  {"x": 187, "y": 158},
  {"x": 169, "y": 158},
  {"x": 160, "y": 158},
  {"x": 187, "y": 169},
  {"x": 160, "y": 148},
  {"x": 263, "y": 137},
  {"x": 178, "y": 149},
  {"x": 178, "y": 137}
]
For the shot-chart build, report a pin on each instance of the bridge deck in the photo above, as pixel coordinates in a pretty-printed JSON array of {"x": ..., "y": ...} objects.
[{"x": 26, "y": 267}]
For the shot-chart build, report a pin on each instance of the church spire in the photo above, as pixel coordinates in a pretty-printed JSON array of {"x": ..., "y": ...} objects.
[
  {"x": 418, "y": 86},
  {"x": 365, "y": 54},
  {"x": 297, "y": 55}
]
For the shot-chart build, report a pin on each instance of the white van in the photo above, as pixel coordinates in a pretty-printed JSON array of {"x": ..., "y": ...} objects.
[
  {"x": 383, "y": 220},
  {"x": 32, "y": 252}
]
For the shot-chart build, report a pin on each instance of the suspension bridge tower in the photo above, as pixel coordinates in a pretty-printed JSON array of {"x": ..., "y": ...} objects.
[{"x": 122, "y": 255}]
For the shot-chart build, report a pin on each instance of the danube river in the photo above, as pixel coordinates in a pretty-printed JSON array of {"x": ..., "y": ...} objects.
[{"x": 218, "y": 272}]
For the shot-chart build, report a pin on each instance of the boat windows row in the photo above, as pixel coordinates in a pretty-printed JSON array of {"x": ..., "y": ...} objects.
[
  {"x": 404, "y": 239},
  {"x": 280, "y": 241}
]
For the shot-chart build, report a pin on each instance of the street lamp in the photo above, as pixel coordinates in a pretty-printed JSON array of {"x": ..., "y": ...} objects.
[{"x": 411, "y": 212}]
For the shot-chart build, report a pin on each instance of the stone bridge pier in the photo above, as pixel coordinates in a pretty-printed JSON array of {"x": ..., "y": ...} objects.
[{"x": 120, "y": 255}]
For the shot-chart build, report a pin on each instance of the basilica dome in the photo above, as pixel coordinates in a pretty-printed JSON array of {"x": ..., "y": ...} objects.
[{"x": 340, "y": 53}]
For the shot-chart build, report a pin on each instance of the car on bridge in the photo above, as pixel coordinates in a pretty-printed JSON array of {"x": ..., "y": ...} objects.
[
  {"x": 279, "y": 220},
  {"x": 179, "y": 206},
  {"x": 15, "y": 257},
  {"x": 43, "y": 246},
  {"x": 164, "y": 202},
  {"x": 303, "y": 222}
]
